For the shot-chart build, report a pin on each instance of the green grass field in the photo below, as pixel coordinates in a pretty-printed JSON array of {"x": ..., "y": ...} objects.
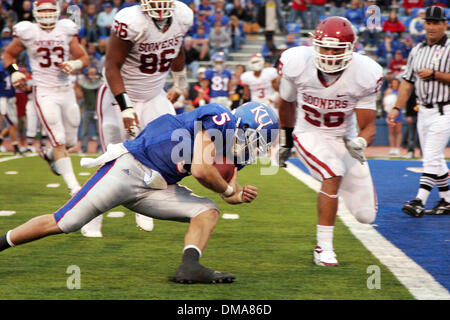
[{"x": 269, "y": 249}]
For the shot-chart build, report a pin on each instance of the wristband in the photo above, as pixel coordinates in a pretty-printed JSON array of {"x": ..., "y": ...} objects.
[
  {"x": 433, "y": 75},
  {"x": 179, "y": 80},
  {"x": 124, "y": 101},
  {"x": 286, "y": 139},
  {"x": 228, "y": 192},
  {"x": 12, "y": 68}
]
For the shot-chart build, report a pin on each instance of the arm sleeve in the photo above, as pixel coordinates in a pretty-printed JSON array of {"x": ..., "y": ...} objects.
[{"x": 288, "y": 90}]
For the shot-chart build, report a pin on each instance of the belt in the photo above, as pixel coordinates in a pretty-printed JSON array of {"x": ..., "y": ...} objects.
[{"x": 440, "y": 106}]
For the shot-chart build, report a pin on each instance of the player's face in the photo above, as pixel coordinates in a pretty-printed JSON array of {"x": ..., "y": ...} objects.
[
  {"x": 332, "y": 52},
  {"x": 47, "y": 11}
]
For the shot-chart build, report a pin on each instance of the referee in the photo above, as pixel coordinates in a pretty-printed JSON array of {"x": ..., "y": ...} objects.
[{"x": 428, "y": 74}]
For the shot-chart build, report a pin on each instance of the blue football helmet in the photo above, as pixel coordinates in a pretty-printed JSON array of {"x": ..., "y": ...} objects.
[
  {"x": 257, "y": 128},
  {"x": 218, "y": 60}
]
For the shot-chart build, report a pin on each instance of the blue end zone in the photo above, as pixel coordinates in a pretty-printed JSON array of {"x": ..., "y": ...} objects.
[{"x": 425, "y": 240}]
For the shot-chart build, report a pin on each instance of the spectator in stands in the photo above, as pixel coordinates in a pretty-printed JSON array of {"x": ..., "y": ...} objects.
[
  {"x": 105, "y": 20},
  {"x": 205, "y": 8},
  {"x": 218, "y": 16},
  {"x": 26, "y": 12},
  {"x": 117, "y": 4},
  {"x": 240, "y": 11},
  {"x": 128, "y": 3},
  {"x": 95, "y": 58},
  {"x": 395, "y": 129},
  {"x": 201, "y": 39},
  {"x": 355, "y": 14},
  {"x": 77, "y": 3},
  {"x": 406, "y": 45},
  {"x": 219, "y": 40},
  {"x": 86, "y": 88},
  {"x": 385, "y": 50},
  {"x": 398, "y": 63},
  {"x": 235, "y": 30},
  {"x": 338, "y": 7},
  {"x": 269, "y": 50},
  {"x": 393, "y": 24},
  {"x": 291, "y": 41},
  {"x": 317, "y": 10},
  {"x": 299, "y": 10},
  {"x": 236, "y": 87},
  {"x": 89, "y": 23},
  {"x": 198, "y": 92},
  {"x": 192, "y": 56},
  {"x": 6, "y": 37},
  {"x": 408, "y": 5},
  {"x": 416, "y": 27}
]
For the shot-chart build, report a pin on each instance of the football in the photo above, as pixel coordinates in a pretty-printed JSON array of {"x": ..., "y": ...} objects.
[{"x": 225, "y": 168}]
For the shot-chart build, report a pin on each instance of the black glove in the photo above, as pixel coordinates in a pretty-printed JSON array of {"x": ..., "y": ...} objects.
[{"x": 286, "y": 144}]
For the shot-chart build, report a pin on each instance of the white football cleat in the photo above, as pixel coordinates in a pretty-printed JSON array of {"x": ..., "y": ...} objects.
[
  {"x": 324, "y": 257},
  {"x": 93, "y": 229},
  {"x": 144, "y": 222}
]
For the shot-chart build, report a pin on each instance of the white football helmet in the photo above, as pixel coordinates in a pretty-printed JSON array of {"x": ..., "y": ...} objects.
[
  {"x": 256, "y": 62},
  {"x": 47, "y": 19},
  {"x": 158, "y": 9}
]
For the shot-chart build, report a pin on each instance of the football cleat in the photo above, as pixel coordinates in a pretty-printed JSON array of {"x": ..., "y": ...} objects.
[
  {"x": 144, "y": 222},
  {"x": 93, "y": 229},
  {"x": 414, "y": 208},
  {"x": 324, "y": 258},
  {"x": 441, "y": 208},
  {"x": 196, "y": 273},
  {"x": 47, "y": 155}
]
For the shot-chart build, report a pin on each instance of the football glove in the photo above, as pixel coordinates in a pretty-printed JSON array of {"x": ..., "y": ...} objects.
[
  {"x": 356, "y": 147},
  {"x": 17, "y": 78},
  {"x": 130, "y": 121},
  {"x": 71, "y": 65},
  {"x": 286, "y": 144}
]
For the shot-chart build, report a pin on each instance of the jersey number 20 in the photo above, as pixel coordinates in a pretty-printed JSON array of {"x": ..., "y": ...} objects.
[{"x": 330, "y": 119}]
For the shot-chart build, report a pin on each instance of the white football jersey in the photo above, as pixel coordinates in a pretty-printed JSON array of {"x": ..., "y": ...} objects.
[
  {"x": 146, "y": 67},
  {"x": 328, "y": 109},
  {"x": 47, "y": 49},
  {"x": 261, "y": 89}
]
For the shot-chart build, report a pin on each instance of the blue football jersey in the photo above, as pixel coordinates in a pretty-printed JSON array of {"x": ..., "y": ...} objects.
[
  {"x": 167, "y": 143},
  {"x": 218, "y": 82},
  {"x": 6, "y": 87}
]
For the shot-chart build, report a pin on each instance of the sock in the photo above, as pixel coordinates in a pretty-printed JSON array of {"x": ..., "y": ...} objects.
[
  {"x": 325, "y": 237},
  {"x": 64, "y": 167},
  {"x": 443, "y": 187},
  {"x": 427, "y": 181},
  {"x": 191, "y": 254}
]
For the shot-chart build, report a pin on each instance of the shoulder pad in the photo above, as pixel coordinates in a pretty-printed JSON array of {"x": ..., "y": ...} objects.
[
  {"x": 68, "y": 26},
  {"x": 24, "y": 30},
  {"x": 293, "y": 61},
  {"x": 128, "y": 23},
  {"x": 370, "y": 80},
  {"x": 183, "y": 15}
]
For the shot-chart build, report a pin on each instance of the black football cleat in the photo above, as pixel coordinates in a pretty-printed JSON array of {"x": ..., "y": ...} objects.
[
  {"x": 196, "y": 273},
  {"x": 45, "y": 154},
  {"x": 441, "y": 208},
  {"x": 414, "y": 208}
]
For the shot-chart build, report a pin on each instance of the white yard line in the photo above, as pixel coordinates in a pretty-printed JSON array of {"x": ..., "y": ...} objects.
[
  {"x": 17, "y": 157},
  {"x": 417, "y": 280}
]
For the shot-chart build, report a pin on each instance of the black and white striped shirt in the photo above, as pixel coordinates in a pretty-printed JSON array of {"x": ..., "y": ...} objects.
[{"x": 437, "y": 58}]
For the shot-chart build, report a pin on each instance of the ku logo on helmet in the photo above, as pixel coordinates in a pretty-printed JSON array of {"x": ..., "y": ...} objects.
[{"x": 262, "y": 116}]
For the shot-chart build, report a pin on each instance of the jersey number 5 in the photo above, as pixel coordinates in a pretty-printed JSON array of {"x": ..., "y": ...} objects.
[{"x": 330, "y": 119}]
